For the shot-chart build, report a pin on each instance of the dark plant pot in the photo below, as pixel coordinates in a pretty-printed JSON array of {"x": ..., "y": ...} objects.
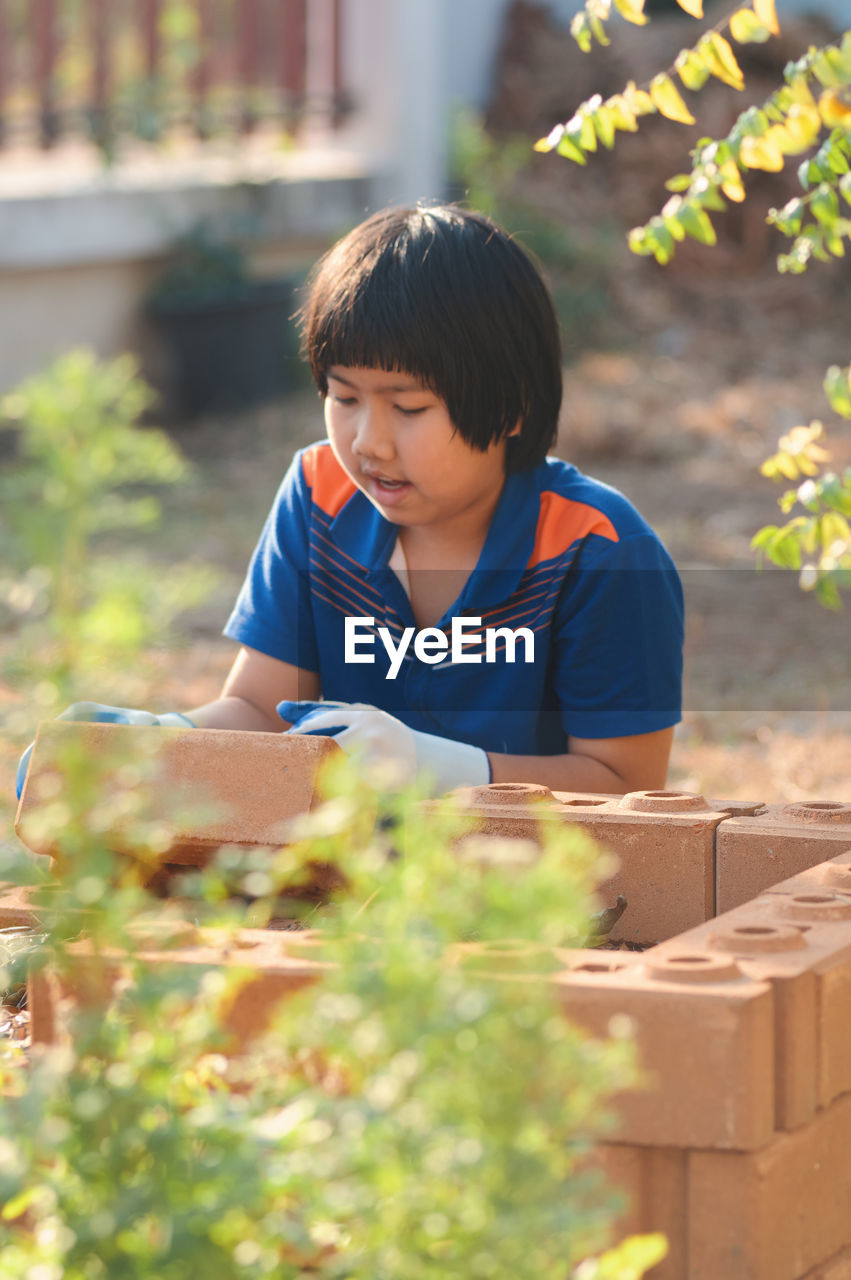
[{"x": 230, "y": 351}]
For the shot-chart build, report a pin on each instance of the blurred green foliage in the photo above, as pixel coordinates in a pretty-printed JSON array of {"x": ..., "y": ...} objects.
[
  {"x": 424, "y": 1109},
  {"x": 82, "y": 472}
]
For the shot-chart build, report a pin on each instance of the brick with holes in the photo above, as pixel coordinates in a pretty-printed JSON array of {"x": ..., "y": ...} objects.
[{"x": 756, "y": 850}]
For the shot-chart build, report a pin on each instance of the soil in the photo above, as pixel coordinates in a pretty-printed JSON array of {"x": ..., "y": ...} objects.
[{"x": 674, "y": 394}]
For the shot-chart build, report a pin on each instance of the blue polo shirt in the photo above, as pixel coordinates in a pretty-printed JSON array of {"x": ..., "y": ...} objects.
[{"x": 567, "y": 558}]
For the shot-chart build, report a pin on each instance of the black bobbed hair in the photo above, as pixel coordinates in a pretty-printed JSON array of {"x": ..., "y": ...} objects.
[{"x": 444, "y": 295}]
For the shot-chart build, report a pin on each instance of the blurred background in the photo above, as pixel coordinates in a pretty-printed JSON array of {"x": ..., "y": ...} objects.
[{"x": 169, "y": 171}]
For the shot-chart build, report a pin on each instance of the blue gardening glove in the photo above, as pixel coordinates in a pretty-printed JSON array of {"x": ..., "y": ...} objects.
[
  {"x": 388, "y": 749},
  {"x": 97, "y": 713}
]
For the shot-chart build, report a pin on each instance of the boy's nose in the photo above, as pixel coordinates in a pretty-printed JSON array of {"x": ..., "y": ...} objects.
[{"x": 372, "y": 439}]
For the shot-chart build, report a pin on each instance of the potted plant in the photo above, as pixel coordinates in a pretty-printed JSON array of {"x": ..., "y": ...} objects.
[{"x": 227, "y": 336}]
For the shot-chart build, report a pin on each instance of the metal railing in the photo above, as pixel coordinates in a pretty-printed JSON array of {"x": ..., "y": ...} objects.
[{"x": 104, "y": 70}]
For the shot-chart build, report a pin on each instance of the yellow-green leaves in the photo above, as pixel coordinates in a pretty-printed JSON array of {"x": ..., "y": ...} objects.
[
  {"x": 580, "y": 128},
  {"x": 762, "y": 153},
  {"x": 632, "y": 10},
  {"x": 789, "y": 218},
  {"x": 816, "y": 221},
  {"x": 834, "y": 108},
  {"x": 818, "y": 544},
  {"x": 588, "y": 25},
  {"x": 746, "y": 28},
  {"x": 693, "y": 7},
  {"x": 731, "y": 181},
  {"x": 717, "y": 55},
  {"x": 558, "y": 139},
  {"x": 837, "y": 387},
  {"x": 791, "y": 122},
  {"x": 551, "y": 141},
  {"x": 802, "y": 127},
  {"x": 630, "y": 1260},
  {"x": 621, "y": 113},
  {"x": 766, "y": 13},
  {"x": 798, "y": 454},
  {"x": 682, "y": 216},
  {"x": 597, "y": 120},
  {"x": 691, "y": 69},
  {"x": 693, "y": 219},
  {"x": 666, "y": 97},
  {"x": 583, "y": 32},
  {"x": 639, "y": 100},
  {"x": 799, "y": 129}
]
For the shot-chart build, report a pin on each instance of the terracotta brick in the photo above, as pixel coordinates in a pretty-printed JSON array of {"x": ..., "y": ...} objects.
[
  {"x": 664, "y": 842},
  {"x": 282, "y": 962},
  {"x": 704, "y": 1034},
  {"x": 834, "y": 874},
  {"x": 777, "y": 1213},
  {"x": 836, "y": 1268},
  {"x": 826, "y": 918},
  {"x": 654, "y": 1183},
  {"x": 47, "y": 1011},
  {"x": 16, "y": 908},
  {"x": 801, "y": 944},
  {"x": 824, "y": 921},
  {"x": 210, "y": 787},
  {"x": 756, "y": 851}
]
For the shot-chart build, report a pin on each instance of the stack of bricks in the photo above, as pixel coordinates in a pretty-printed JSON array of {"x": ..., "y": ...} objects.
[
  {"x": 275, "y": 965},
  {"x": 740, "y": 1149},
  {"x": 739, "y": 1146}
]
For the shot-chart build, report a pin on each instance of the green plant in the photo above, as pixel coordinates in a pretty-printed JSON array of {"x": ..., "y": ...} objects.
[
  {"x": 84, "y": 472},
  {"x": 422, "y": 1112},
  {"x": 808, "y": 115},
  {"x": 202, "y": 267}
]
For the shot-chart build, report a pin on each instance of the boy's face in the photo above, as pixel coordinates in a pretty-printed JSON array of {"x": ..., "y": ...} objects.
[{"x": 396, "y": 441}]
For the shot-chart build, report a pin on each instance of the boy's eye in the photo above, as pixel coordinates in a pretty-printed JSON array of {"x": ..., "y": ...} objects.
[
  {"x": 343, "y": 399},
  {"x": 411, "y": 413}
]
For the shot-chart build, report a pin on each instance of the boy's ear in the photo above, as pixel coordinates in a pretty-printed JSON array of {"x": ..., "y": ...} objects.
[{"x": 515, "y": 430}]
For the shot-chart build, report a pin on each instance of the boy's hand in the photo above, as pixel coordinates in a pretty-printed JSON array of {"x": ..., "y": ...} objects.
[
  {"x": 387, "y": 749},
  {"x": 97, "y": 713}
]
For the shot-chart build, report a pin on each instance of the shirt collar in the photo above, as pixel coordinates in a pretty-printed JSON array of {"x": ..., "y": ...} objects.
[
  {"x": 362, "y": 532},
  {"x": 508, "y": 545}
]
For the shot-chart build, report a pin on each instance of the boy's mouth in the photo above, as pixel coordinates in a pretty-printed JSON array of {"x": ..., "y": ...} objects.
[{"x": 386, "y": 488}]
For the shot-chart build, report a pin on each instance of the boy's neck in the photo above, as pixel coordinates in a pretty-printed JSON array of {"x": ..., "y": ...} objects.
[{"x": 455, "y": 545}]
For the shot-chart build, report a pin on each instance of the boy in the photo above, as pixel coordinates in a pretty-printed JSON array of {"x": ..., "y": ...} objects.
[{"x": 463, "y": 605}]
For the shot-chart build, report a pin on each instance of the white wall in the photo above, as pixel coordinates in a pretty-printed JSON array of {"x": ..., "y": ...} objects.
[{"x": 395, "y": 68}]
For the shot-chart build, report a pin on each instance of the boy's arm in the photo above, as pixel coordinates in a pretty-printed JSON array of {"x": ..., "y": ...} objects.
[
  {"x": 614, "y": 765},
  {"x": 252, "y": 691}
]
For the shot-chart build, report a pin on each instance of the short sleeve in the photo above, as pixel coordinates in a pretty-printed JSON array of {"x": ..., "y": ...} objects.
[
  {"x": 273, "y": 612},
  {"x": 619, "y": 639}
]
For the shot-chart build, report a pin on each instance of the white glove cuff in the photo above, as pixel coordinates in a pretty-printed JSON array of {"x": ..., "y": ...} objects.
[
  {"x": 176, "y": 720},
  {"x": 450, "y": 764}
]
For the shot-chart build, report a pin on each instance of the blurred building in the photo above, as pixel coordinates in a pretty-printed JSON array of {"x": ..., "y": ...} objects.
[{"x": 280, "y": 121}]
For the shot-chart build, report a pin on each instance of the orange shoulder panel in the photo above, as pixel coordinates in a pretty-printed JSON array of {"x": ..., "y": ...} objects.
[
  {"x": 329, "y": 484},
  {"x": 562, "y": 522}
]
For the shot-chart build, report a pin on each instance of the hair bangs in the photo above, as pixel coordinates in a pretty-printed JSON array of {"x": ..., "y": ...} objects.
[{"x": 445, "y": 296}]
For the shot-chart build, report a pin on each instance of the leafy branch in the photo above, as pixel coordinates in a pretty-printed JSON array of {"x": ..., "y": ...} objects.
[
  {"x": 814, "y": 97},
  {"x": 817, "y": 543},
  {"x": 598, "y": 120}
]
